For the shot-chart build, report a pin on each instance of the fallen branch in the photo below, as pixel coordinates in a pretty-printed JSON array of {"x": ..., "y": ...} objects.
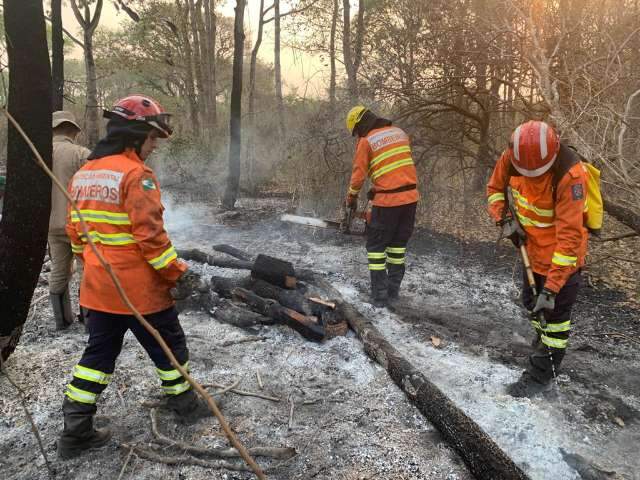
[
  {"x": 259, "y": 380},
  {"x": 484, "y": 458},
  {"x": 116, "y": 281},
  {"x": 126, "y": 462},
  {"x": 34, "y": 428},
  {"x": 272, "y": 452},
  {"x": 619, "y": 237},
  {"x": 148, "y": 454},
  {"x": 233, "y": 251},
  {"x": 243, "y": 392},
  {"x": 291, "y": 409},
  {"x": 615, "y": 334}
]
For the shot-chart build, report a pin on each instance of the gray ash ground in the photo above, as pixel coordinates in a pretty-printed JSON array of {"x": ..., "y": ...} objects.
[{"x": 362, "y": 426}]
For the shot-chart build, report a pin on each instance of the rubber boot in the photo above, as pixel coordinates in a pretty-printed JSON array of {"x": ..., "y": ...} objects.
[
  {"x": 188, "y": 407},
  {"x": 79, "y": 434},
  {"x": 540, "y": 374},
  {"x": 62, "y": 313},
  {"x": 379, "y": 288},
  {"x": 395, "y": 276}
]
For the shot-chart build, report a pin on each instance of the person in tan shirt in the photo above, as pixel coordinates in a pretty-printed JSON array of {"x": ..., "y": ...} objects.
[{"x": 68, "y": 157}]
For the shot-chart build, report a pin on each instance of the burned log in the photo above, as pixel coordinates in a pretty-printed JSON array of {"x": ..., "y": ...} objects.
[
  {"x": 240, "y": 317},
  {"x": 287, "y": 298},
  {"x": 233, "y": 251},
  {"x": 623, "y": 214},
  {"x": 308, "y": 326},
  {"x": 224, "y": 286},
  {"x": 275, "y": 271},
  {"x": 484, "y": 458},
  {"x": 202, "y": 257}
]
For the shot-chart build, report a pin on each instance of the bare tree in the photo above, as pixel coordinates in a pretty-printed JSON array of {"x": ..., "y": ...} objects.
[
  {"x": 89, "y": 23},
  {"x": 57, "y": 54},
  {"x": 24, "y": 226},
  {"x": 235, "y": 117},
  {"x": 352, "y": 50},
  {"x": 277, "y": 67}
]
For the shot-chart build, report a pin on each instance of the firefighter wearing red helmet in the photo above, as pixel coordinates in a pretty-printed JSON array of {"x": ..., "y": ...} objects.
[
  {"x": 548, "y": 184},
  {"x": 118, "y": 196}
]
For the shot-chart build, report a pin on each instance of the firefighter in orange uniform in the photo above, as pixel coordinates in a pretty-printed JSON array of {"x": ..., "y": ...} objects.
[
  {"x": 383, "y": 154},
  {"x": 548, "y": 184},
  {"x": 119, "y": 199}
]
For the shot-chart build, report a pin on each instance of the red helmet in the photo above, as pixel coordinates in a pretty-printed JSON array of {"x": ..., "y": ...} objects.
[
  {"x": 535, "y": 146},
  {"x": 143, "y": 109}
]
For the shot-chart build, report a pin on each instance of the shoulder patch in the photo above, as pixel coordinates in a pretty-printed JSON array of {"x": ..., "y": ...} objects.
[
  {"x": 577, "y": 192},
  {"x": 148, "y": 184}
]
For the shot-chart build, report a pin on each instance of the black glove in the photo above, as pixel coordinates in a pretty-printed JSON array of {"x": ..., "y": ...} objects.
[
  {"x": 189, "y": 283},
  {"x": 546, "y": 301},
  {"x": 512, "y": 230}
]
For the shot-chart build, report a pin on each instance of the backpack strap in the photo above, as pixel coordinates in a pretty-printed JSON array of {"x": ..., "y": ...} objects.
[{"x": 567, "y": 158}]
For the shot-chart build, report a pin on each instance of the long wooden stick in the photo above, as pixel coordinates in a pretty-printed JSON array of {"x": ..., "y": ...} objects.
[{"x": 165, "y": 348}]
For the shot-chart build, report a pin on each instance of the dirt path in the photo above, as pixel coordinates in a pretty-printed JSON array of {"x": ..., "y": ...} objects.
[{"x": 362, "y": 427}]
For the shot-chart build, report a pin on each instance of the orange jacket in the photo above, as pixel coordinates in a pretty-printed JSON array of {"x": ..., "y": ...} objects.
[
  {"x": 384, "y": 156},
  {"x": 556, "y": 233},
  {"x": 119, "y": 199}
]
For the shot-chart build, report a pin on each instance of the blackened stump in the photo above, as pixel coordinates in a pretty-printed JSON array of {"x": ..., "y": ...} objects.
[{"x": 273, "y": 270}]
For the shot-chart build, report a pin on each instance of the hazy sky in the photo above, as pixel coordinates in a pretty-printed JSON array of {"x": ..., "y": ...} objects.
[{"x": 302, "y": 75}]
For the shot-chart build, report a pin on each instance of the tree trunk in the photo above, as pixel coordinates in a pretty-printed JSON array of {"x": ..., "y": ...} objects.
[
  {"x": 251, "y": 154},
  {"x": 332, "y": 58},
  {"x": 188, "y": 67},
  {"x": 89, "y": 26},
  {"x": 211, "y": 25},
  {"x": 197, "y": 62},
  {"x": 25, "y": 223},
  {"x": 235, "y": 121},
  {"x": 57, "y": 55},
  {"x": 278, "y": 73},
  {"x": 352, "y": 53}
]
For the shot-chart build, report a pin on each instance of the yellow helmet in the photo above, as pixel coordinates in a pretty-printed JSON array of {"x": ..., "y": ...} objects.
[{"x": 354, "y": 116}]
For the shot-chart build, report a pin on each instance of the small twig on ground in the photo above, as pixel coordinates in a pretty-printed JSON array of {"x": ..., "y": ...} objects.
[
  {"x": 148, "y": 454},
  {"x": 229, "y": 388},
  {"x": 242, "y": 392},
  {"x": 311, "y": 402},
  {"x": 613, "y": 239},
  {"x": 242, "y": 340},
  {"x": 615, "y": 334},
  {"x": 259, "y": 380},
  {"x": 34, "y": 428},
  {"x": 272, "y": 452},
  {"x": 293, "y": 406},
  {"x": 34, "y": 306},
  {"x": 126, "y": 462}
]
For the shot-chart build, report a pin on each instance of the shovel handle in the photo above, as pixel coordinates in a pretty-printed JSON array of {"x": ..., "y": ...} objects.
[{"x": 527, "y": 267}]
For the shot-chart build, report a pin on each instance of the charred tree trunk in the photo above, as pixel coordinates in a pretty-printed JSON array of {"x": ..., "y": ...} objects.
[
  {"x": 197, "y": 60},
  {"x": 187, "y": 56},
  {"x": 235, "y": 121},
  {"x": 483, "y": 457},
  {"x": 278, "y": 74},
  {"x": 623, "y": 215},
  {"x": 251, "y": 154},
  {"x": 352, "y": 50},
  {"x": 57, "y": 55},
  {"x": 24, "y": 226},
  {"x": 89, "y": 26}
]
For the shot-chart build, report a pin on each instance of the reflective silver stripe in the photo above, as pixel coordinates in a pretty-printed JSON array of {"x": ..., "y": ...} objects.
[
  {"x": 516, "y": 143},
  {"x": 91, "y": 375},
  {"x": 81, "y": 396},
  {"x": 543, "y": 140}
]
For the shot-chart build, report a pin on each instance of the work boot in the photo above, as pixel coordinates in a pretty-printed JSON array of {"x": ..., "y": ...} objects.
[
  {"x": 395, "y": 274},
  {"x": 379, "y": 288},
  {"x": 61, "y": 305},
  {"x": 189, "y": 408},
  {"x": 544, "y": 362},
  {"x": 79, "y": 434},
  {"x": 527, "y": 386}
]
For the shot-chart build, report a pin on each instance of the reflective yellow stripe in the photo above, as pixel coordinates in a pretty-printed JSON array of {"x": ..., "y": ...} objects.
[
  {"x": 396, "y": 249},
  {"x": 91, "y": 375},
  {"x": 383, "y": 156},
  {"x": 395, "y": 261},
  {"x": 527, "y": 222},
  {"x": 376, "y": 255},
  {"x": 168, "y": 375},
  {"x": 552, "y": 327},
  {"x": 377, "y": 266},
  {"x": 496, "y": 197},
  {"x": 163, "y": 260},
  {"x": 77, "y": 248},
  {"x": 101, "y": 216},
  {"x": 353, "y": 191},
  {"x": 391, "y": 167},
  {"x": 564, "y": 260},
  {"x": 176, "y": 389},
  {"x": 81, "y": 396},
  {"x": 524, "y": 203},
  {"x": 554, "y": 342},
  {"x": 111, "y": 238}
]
